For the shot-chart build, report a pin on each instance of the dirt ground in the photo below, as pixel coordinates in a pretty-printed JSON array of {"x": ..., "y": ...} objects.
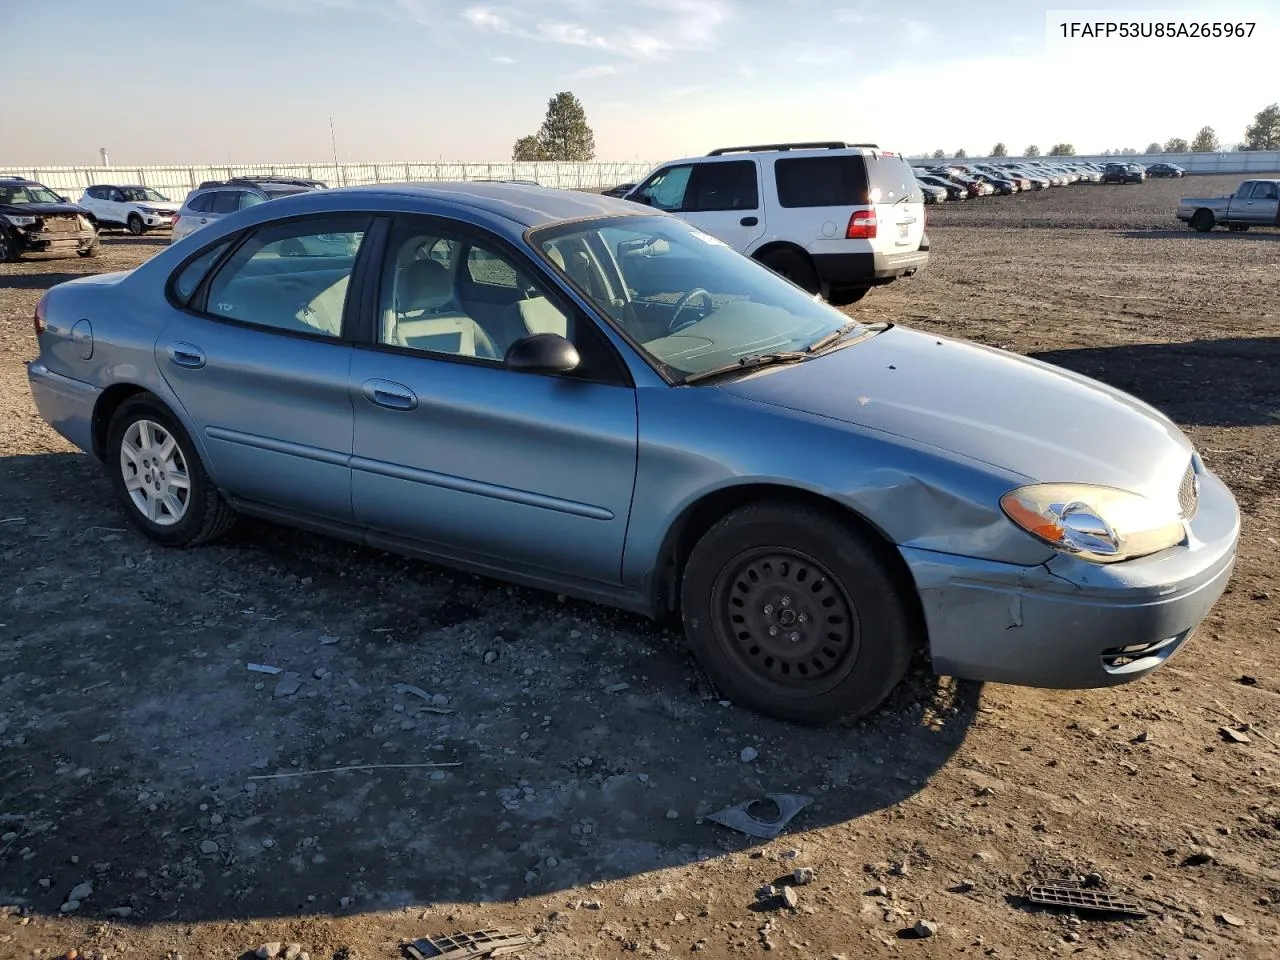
[{"x": 579, "y": 750}]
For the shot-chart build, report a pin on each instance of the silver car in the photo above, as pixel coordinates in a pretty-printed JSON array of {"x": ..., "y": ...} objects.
[
  {"x": 213, "y": 200},
  {"x": 584, "y": 395}
]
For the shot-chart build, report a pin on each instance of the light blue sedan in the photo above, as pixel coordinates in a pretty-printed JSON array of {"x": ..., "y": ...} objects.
[{"x": 578, "y": 394}]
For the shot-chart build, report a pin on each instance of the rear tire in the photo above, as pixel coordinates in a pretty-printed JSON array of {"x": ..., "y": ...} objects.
[
  {"x": 135, "y": 225},
  {"x": 149, "y": 457},
  {"x": 1203, "y": 221},
  {"x": 8, "y": 248},
  {"x": 92, "y": 250},
  {"x": 794, "y": 266},
  {"x": 841, "y": 635}
]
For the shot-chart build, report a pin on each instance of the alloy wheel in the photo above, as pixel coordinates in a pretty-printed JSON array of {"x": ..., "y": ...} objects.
[{"x": 155, "y": 473}]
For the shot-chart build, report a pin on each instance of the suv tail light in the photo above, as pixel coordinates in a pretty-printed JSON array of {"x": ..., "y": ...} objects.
[
  {"x": 862, "y": 225},
  {"x": 38, "y": 320}
]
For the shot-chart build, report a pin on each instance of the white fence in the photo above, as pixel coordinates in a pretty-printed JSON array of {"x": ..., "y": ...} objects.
[
  {"x": 1250, "y": 162},
  {"x": 176, "y": 181}
]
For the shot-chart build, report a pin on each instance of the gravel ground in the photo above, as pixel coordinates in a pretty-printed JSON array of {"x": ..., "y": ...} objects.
[{"x": 575, "y": 749}]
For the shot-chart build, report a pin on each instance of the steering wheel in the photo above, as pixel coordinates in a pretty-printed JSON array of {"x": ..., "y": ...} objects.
[{"x": 674, "y": 326}]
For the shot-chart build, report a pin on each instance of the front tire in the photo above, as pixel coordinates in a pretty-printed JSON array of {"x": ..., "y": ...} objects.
[
  {"x": 795, "y": 615},
  {"x": 135, "y": 225},
  {"x": 92, "y": 250},
  {"x": 161, "y": 483},
  {"x": 794, "y": 266},
  {"x": 846, "y": 296},
  {"x": 1202, "y": 221},
  {"x": 8, "y": 248}
]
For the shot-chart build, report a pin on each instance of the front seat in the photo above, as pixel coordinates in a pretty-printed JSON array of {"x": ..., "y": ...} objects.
[
  {"x": 424, "y": 287},
  {"x": 427, "y": 317}
]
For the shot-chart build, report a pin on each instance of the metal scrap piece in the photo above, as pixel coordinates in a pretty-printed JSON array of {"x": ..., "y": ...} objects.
[
  {"x": 481, "y": 943},
  {"x": 1076, "y": 897},
  {"x": 738, "y": 817}
]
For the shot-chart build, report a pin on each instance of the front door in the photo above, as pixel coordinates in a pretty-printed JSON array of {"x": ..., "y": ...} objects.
[
  {"x": 477, "y": 461},
  {"x": 260, "y": 365},
  {"x": 720, "y": 197},
  {"x": 1262, "y": 207}
]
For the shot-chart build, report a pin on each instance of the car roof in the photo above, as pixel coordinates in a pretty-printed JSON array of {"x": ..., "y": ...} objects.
[{"x": 529, "y": 206}]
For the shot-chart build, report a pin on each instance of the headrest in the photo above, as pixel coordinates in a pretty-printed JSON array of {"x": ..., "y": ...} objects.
[{"x": 424, "y": 285}]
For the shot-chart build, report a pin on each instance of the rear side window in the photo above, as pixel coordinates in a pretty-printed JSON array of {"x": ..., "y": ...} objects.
[
  {"x": 225, "y": 201},
  {"x": 728, "y": 185},
  {"x": 839, "y": 181},
  {"x": 189, "y": 277},
  {"x": 488, "y": 268}
]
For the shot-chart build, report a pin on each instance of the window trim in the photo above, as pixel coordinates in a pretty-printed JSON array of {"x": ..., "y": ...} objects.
[
  {"x": 197, "y": 304},
  {"x": 471, "y": 234}
]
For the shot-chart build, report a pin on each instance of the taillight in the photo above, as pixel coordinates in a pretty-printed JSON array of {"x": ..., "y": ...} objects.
[
  {"x": 862, "y": 225},
  {"x": 39, "y": 315}
]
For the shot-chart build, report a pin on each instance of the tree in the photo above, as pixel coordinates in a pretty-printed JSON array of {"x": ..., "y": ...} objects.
[
  {"x": 1031, "y": 151},
  {"x": 1176, "y": 145},
  {"x": 1154, "y": 147},
  {"x": 961, "y": 155},
  {"x": 1062, "y": 150},
  {"x": 1264, "y": 132},
  {"x": 1206, "y": 141},
  {"x": 939, "y": 154},
  {"x": 564, "y": 134},
  {"x": 1129, "y": 152},
  {"x": 1000, "y": 150},
  {"x": 528, "y": 148}
]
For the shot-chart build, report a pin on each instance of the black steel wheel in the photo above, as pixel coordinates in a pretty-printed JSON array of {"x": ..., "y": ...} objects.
[{"x": 795, "y": 612}]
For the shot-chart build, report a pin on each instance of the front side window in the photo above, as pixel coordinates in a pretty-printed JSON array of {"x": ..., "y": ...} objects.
[
  {"x": 291, "y": 277},
  {"x": 689, "y": 301},
  {"x": 666, "y": 189},
  {"x": 143, "y": 195},
  {"x": 27, "y": 193},
  {"x": 445, "y": 293}
]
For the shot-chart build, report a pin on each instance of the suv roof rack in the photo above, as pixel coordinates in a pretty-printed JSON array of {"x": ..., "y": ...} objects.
[
  {"x": 808, "y": 145},
  {"x": 292, "y": 181}
]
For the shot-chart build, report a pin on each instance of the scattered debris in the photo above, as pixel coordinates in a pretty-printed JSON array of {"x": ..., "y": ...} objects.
[
  {"x": 738, "y": 817},
  {"x": 964, "y": 886},
  {"x": 435, "y": 704},
  {"x": 748, "y": 754},
  {"x": 924, "y": 929},
  {"x": 359, "y": 766},
  {"x": 803, "y": 876},
  {"x": 1072, "y": 895},
  {"x": 264, "y": 668},
  {"x": 482, "y": 943},
  {"x": 81, "y": 891},
  {"x": 880, "y": 891},
  {"x": 617, "y": 687},
  {"x": 1229, "y": 920},
  {"x": 1232, "y": 735},
  {"x": 790, "y": 898},
  {"x": 293, "y": 951},
  {"x": 269, "y": 951},
  {"x": 327, "y": 640},
  {"x": 103, "y": 738},
  {"x": 289, "y": 684},
  {"x": 208, "y": 847},
  {"x": 1143, "y": 737}
]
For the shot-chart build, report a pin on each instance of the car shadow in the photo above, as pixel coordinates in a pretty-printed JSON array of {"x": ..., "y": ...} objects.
[
  {"x": 127, "y": 239},
  {"x": 1158, "y": 233},
  {"x": 540, "y": 745},
  {"x": 35, "y": 281},
  {"x": 1228, "y": 382}
]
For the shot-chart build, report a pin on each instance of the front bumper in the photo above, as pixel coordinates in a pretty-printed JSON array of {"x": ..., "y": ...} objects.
[
  {"x": 1071, "y": 624},
  {"x": 158, "y": 220},
  {"x": 35, "y": 241}
]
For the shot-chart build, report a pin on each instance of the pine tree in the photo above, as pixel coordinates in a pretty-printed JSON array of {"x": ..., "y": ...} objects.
[{"x": 1264, "y": 132}]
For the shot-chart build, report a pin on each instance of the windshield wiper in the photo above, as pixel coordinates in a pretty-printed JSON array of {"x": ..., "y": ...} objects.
[
  {"x": 749, "y": 362},
  {"x": 837, "y": 335}
]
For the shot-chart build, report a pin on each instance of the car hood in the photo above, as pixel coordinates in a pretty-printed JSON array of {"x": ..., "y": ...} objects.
[
  {"x": 1019, "y": 414},
  {"x": 39, "y": 209}
]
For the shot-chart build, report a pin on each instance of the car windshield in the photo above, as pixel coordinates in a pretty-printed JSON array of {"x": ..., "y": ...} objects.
[
  {"x": 685, "y": 298},
  {"x": 27, "y": 193},
  {"x": 143, "y": 194}
]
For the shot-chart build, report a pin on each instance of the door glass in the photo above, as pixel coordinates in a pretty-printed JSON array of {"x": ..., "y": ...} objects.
[
  {"x": 453, "y": 296},
  {"x": 248, "y": 199},
  {"x": 728, "y": 185},
  {"x": 291, "y": 276},
  {"x": 666, "y": 189},
  {"x": 1265, "y": 191},
  {"x": 839, "y": 181},
  {"x": 225, "y": 201}
]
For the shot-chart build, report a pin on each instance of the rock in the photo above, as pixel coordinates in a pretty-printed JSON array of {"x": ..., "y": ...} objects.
[
  {"x": 289, "y": 684},
  {"x": 490, "y": 657},
  {"x": 748, "y": 754},
  {"x": 881, "y": 891},
  {"x": 102, "y": 738},
  {"x": 1143, "y": 737},
  {"x": 1094, "y": 880},
  {"x": 208, "y": 847},
  {"x": 672, "y": 814},
  {"x": 216, "y": 820},
  {"x": 1229, "y": 920},
  {"x": 268, "y": 843},
  {"x": 803, "y": 876},
  {"x": 1248, "y": 681},
  {"x": 437, "y": 775},
  {"x": 1071, "y": 936},
  {"x": 924, "y": 929},
  {"x": 120, "y": 912},
  {"x": 1232, "y": 735},
  {"x": 71, "y": 906},
  {"x": 45, "y": 883},
  {"x": 327, "y": 640},
  {"x": 789, "y": 898},
  {"x": 964, "y": 886},
  {"x": 616, "y": 687},
  {"x": 1199, "y": 858},
  {"x": 344, "y": 902},
  {"x": 82, "y": 892},
  {"x": 269, "y": 951},
  {"x": 439, "y": 700},
  {"x": 293, "y": 951}
]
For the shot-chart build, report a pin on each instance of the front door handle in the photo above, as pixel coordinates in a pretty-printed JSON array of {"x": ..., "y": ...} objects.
[
  {"x": 186, "y": 355},
  {"x": 749, "y": 221},
  {"x": 389, "y": 394}
]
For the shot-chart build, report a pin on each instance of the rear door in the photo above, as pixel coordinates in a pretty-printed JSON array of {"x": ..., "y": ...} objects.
[
  {"x": 723, "y": 199},
  {"x": 898, "y": 203}
]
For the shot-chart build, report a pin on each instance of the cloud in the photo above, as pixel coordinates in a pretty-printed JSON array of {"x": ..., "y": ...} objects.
[
  {"x": 501, "y": 60},
  {"x": 599, "y": 70},
  {"x": 484, "y": 18}
]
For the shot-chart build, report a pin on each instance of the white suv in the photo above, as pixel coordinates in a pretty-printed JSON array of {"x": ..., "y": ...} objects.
[
  {"x": 834, "y": 218},
  {"x": 136, "y": 208}
]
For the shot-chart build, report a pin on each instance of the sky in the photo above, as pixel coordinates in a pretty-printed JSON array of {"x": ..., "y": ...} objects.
[{"x": 257, "y": 81}]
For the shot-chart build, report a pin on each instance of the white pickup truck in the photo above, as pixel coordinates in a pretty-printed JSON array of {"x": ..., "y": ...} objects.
[{"x": 1256, "y": 203}]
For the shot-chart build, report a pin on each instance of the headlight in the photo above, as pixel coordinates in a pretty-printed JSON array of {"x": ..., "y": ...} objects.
[
  {"x": 20, "y": 221},
  {"x": 1101, "y": 524}
]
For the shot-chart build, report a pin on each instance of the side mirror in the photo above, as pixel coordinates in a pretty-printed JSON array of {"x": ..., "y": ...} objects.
[{"x": 543, "y": 353}]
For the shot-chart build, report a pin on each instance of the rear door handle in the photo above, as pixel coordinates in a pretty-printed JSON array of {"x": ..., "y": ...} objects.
[
  {"x": 749, "y": 221},
  {"x": 186, "y": 355},
  {"x": 389, "y": 394}
]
